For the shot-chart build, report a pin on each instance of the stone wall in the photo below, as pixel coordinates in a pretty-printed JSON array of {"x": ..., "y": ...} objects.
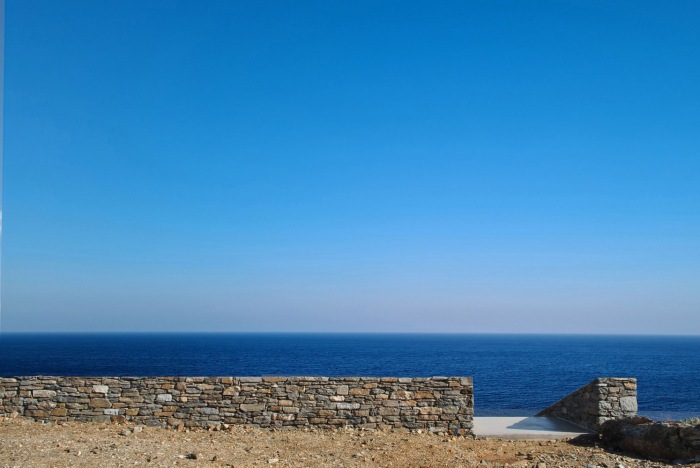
[
  {"x": 601, "y": 400},
  {"x": 436, "y": 404}
]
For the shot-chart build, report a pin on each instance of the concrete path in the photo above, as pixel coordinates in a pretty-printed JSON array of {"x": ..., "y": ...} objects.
[{"x": 533, "y": 428}]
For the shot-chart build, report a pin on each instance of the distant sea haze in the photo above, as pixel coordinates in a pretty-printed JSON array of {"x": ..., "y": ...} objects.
[{"x": 513, "y": 374}]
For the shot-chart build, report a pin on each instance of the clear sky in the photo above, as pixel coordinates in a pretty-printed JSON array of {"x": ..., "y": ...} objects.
[{"x": 466, "y": 166}]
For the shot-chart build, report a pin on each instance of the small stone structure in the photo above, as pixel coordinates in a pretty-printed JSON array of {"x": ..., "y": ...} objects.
[
  {"x": 603, "y": 399},
  {"x": 435, "y": 404}
]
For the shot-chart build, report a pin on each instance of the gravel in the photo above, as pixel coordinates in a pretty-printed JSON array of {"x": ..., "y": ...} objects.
[{"x": 27, "y": 443}]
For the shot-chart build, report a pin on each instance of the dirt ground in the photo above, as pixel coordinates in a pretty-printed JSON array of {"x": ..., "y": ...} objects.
[{"x": 25, "y": 443}]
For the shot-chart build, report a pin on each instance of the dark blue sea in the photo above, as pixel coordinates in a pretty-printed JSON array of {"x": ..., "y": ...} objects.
[{"x": 513, "y": 374}]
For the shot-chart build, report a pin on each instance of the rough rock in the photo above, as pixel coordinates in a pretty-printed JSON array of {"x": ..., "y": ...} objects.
[{"x": 667, "y": 441}]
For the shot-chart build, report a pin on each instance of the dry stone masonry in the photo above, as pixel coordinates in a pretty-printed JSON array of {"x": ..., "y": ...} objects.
[
  {"x": 436, "y": 404},
  {"x": 603, "y": 399}
]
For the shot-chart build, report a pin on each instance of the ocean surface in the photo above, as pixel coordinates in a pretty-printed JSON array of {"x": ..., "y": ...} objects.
[{"x": 513, "y": 374}]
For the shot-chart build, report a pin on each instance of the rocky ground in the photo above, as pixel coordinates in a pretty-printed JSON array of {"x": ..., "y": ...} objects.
[{"x": 26, "y": 443}]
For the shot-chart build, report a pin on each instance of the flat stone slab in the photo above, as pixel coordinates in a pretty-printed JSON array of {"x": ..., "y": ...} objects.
[{"x": 529, "y": 427}]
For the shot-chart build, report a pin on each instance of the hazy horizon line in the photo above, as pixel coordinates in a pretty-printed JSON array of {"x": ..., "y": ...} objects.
[{"x": 172, "y": 332}]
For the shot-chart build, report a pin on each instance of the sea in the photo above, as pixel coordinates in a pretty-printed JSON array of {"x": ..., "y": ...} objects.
[{"x": 514, "y": 375}]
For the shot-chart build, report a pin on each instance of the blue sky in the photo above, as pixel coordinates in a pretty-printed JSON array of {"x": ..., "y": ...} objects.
[{"x": 352, "y": 166}]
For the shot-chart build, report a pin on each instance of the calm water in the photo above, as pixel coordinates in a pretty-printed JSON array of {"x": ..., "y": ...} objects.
[{"x": 513, "y": 374}]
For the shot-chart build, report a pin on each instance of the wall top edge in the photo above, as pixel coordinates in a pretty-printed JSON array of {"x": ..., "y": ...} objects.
[
  {"x": 617, "y": 379},
  {"x": 257, "y": 377}
]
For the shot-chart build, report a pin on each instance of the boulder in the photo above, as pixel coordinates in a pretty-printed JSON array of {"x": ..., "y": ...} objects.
[{"x": 668, "y": 441}]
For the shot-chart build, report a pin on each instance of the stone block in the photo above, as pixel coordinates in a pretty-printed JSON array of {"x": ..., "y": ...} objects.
[
  {"x": 252, "y": 407},
  {"x": 37, "y": 414},
  {"x": 283, "y": 417},
  {"x": 100, "y": 403},
  {"x": 104, "y": 389},
  {"x": 274, "y": 379},
  {"x": 628, "y": 404},
  {"x": 250, "y": 379},
  {"x": 347, "y": 406},
  {"x": 388, "y": 411},
  {"x": 44, "y": 404},
  {"x": 450, "y": 409},
  {"x": 59, "y": 412}
]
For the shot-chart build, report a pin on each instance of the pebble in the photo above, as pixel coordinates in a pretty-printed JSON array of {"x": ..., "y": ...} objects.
[{"x": 273, "y": 461}]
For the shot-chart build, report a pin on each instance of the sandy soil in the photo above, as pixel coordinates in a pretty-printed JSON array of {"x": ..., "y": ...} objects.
[{"x": 26, "y": 443}]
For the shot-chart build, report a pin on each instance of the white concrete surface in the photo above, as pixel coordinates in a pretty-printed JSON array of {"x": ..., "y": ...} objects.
[{"x": 534, "y": 428}]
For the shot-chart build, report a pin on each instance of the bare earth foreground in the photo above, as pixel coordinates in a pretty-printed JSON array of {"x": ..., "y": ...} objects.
[{"x": 26, "y": 443}]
